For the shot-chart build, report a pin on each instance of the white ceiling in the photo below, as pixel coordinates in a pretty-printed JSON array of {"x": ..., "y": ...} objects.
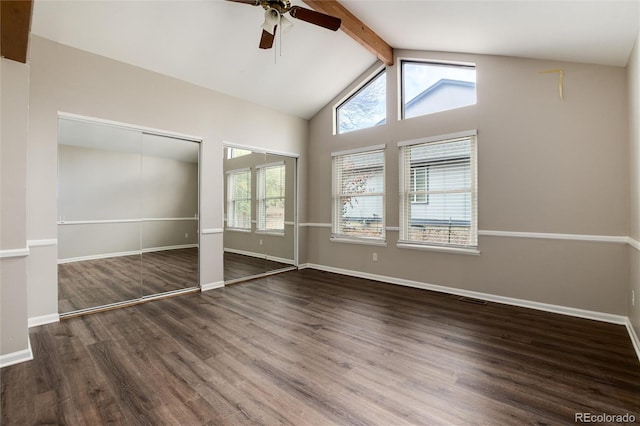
[{"x": 214, "y": 43}]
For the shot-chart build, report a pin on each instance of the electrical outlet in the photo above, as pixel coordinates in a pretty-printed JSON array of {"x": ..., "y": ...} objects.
[
  {"x": 260, "y": 242},
  {"x": 375, "y": 257},
  {"x": 186, "y": 235}
]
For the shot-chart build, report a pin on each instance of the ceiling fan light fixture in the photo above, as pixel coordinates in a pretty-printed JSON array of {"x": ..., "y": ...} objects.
[{"x": 271, "y": 20}]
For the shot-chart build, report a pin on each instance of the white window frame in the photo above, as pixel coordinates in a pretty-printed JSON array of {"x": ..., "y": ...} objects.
[
  {"x": 401, "y": 82},
  {"x": 262, "y": 197},
  {"x": 366, "y": 82},
  {"x": 234, "y": 152},
  {"x": 406, "y": 194},
  {"x": 231, "y": 201},
  {"x": 337, "y": 195}
]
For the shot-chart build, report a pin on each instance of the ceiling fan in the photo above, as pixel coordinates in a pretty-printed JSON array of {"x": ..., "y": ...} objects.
[{"x": 273, "y": 17}]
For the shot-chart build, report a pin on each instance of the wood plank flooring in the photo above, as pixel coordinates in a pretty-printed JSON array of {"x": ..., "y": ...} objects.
[
  {"x": 99, "y": 282},
  {"x": 315, "y": 348},
  {"x": 238, "y": 266}
]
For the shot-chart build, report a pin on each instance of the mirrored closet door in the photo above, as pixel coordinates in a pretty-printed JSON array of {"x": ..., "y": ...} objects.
[
  {"x": 169, "y": 228},
  {"x": 260, "y": 213},
  {"x": 127, "y": 215}
]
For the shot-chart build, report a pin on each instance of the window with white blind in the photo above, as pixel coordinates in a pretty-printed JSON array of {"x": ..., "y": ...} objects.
[
  {"x": 358, "y": 194},
  {"x": 239, "y": 199},
  {"x": 438, "y": 191},
  {"x": 271, "y": 197}
]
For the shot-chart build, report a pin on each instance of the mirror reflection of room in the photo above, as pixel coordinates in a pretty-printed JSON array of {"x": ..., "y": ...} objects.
[
  {"x": 259, "y": 234},
  {"x": 127, "y": 215}
]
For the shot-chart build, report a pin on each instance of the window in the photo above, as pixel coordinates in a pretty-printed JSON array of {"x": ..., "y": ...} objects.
[
  {"x": 365, "y": 108},
  {"x": 271, "y": 196},
  {"x": 358, "y": 194},
  {"x": 432, "y": 87},
  {"x": 239, "y": 199},
  {"x": 236, "y": 152},
  {"x": 438, "y": 198}
]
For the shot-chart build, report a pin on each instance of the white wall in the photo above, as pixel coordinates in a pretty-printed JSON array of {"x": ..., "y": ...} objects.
[
  {"x": 72, "y": 81},
  {"x": 544, "y": 166}
]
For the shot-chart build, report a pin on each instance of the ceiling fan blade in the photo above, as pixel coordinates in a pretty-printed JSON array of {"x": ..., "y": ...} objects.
[
  {"x": 266, "y": 41},
  {"x": 250, "y": 2},
  {"x": 327, "y": 21}
]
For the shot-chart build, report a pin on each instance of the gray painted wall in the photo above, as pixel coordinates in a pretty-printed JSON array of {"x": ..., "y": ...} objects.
[
  {"x": 633, "y": 73},
  {"x": 544, "y": 165},
  {"x": 96, "y": 184},
  {"x": 14, "y": 82}
]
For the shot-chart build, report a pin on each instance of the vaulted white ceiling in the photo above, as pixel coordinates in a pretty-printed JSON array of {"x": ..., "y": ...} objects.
[{"x": 214, "y": 43}]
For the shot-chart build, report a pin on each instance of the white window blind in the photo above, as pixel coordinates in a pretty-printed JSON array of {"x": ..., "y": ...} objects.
[
  {"x": 271, "y": 197},
  {"x": 358, "y": 195},
  {"x": 438, "y": 192},
  {"x": 239, "y": 199}
]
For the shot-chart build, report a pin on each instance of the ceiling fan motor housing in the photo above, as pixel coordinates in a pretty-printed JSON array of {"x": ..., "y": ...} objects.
[{"x": 281, "y": 6}]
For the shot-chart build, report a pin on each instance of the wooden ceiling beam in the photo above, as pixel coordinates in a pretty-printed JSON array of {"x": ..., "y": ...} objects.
[
  {"x": 355, "y": 28},
  {"x": 15, "y": 24}
]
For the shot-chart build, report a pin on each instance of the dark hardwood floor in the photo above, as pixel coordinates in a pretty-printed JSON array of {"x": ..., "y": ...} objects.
[
  {"x": 99, "y": 282},
  {"x": 315, "y": 348},
  {"x": 237, "y": 266}
]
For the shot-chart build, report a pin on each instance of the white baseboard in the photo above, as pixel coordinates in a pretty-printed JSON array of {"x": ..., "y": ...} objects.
[
  {"x": 564, "y": 310},
  {"x": 98, "y": 256},
  {"x": 212, "y": 286},
  {"x": 16, "y": 357},
  {"x": 634, "y": 337},
  {"x": 281, "y": 260},
  {"x": 178, "y": 247},
  {"x": 261, "y": 256},
  {"x": 43, "y": 319}
]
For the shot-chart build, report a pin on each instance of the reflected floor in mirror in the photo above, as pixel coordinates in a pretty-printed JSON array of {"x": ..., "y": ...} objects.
[
  {"x": 238, "y": 266},
  {"x": 99, "y": 282}
]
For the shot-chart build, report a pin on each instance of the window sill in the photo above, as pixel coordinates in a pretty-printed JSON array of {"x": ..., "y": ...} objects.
[
  {"x": 455, "y": 250},
  {"x": 359, "y": 241},
  {"x": 238, "y": 230},
  {"x": 274, "y": 233}
]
